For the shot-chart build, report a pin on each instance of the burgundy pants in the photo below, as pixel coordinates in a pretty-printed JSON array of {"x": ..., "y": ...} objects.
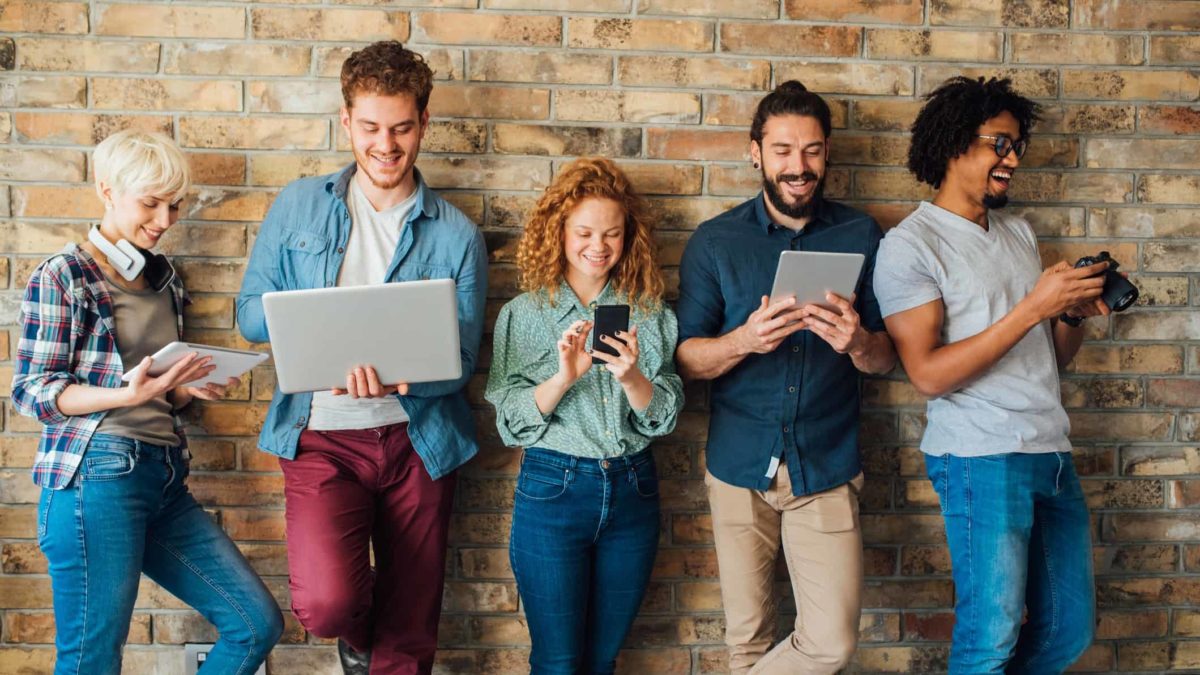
[{"x": 347, "y": 490}]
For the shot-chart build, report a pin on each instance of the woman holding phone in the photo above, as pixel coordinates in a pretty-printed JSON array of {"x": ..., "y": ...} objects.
[
  {"x": 585, "y": 517},
  {"x": 113, "y": 461}
]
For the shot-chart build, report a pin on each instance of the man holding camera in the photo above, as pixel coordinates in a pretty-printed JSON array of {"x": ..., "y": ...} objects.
[{"x": 981, "y": 331}]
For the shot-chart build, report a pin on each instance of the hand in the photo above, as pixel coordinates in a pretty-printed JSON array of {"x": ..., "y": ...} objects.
[
  {"x": 1062, "y": 287},
  {"x": 845, "y": 332},
  {"x": 768, "y": 326},
  {"x": 143, "y": 387},
  {"x": 212, "y": 391},
  {"x": 573, "y": 358},
  {"x": 363, "y": 382},
  {"x": 623, "y": 366}
]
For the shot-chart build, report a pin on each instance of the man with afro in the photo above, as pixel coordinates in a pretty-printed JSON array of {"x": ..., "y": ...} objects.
[{"x": 982, "y": 330}]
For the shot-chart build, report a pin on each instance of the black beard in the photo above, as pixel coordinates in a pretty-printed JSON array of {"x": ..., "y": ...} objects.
[
  {"x": 798, "y": 210},
  {"x": 995, "y": 201}
]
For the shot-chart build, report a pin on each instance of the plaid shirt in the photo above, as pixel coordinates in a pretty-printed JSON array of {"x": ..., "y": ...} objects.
[{"x": 68, "y": 336}]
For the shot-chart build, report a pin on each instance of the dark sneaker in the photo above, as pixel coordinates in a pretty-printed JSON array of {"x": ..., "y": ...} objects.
[{"x": 353, "y": 663}]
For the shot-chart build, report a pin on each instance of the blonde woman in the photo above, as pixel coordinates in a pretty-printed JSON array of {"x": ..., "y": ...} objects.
[
  {"x": 585, "y": 519},
  {"x": 113, "y": 460}
]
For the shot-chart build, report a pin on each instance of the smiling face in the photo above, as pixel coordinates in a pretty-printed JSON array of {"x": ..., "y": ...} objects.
[
  {"x": 593, "y": 240},
  {"x": 793, "y": 156},
  {"x": 385, "y": 135},
  {"x": 979, "y": 175},
  {"x": 139, "y": 218}
]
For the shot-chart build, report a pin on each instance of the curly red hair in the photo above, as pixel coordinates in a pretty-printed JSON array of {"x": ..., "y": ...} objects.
[{"x": 541, "y": 258}]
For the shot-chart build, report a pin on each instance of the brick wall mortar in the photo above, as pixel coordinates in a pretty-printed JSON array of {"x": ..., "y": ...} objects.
[{"x": 1114, "y": 166}]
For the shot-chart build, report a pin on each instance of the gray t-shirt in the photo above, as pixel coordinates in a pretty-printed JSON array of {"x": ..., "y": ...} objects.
[
  {"x": 980, "y": 275},
  {"x": 145, "y": 323}
]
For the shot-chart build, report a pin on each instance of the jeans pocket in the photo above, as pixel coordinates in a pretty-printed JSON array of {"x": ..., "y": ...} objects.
[
  {"x": 541, "y": 482},
  {"x": 645, "y": 479},
  {"x": 107, "y": 461}
]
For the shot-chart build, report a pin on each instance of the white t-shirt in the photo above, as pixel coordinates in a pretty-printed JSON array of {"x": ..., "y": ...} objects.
[
  {"x": 980, "y": 275},
  {"x": 374, "y": 236}
]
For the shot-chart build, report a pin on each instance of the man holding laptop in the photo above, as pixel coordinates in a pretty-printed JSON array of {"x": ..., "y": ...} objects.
[
  {"x": 782, "y": 452},
  {"x": 371, "y": 461}
]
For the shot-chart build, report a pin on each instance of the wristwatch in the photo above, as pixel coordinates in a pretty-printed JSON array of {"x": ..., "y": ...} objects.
[{"x": 1073, "y": 321}]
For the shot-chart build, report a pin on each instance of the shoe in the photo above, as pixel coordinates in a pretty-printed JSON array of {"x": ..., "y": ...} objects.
[{"x": 353, "y": 662}]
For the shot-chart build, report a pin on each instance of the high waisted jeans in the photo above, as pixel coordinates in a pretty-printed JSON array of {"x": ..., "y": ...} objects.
[
  {"x": 584, "y": 536},
  {"x": 128, "y": 511}
]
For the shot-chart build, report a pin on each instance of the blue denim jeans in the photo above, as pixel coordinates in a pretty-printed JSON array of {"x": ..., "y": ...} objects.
[
  {"x": 126, "y": 512},
  {"x": 584, "y": 536},
  {"x": 1020, "y": 546}
]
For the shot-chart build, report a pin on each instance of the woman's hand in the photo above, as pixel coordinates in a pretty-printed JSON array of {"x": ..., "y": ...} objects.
[
  {"x": 212, "y": 391},
  {"x": 623, "y": 366},
  {"x": 573, "y": 358},
  {"x": 143, "y": 387}
]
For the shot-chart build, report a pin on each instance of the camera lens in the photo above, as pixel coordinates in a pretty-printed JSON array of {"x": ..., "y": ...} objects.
[{"x": 1119, "y": 294}]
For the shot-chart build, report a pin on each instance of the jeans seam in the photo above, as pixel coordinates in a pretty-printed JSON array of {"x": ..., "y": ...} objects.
[
  {"x": 216, "y": 588},
  {"x": 79, "y": 516},
  {"x": 973, "y": 624}
]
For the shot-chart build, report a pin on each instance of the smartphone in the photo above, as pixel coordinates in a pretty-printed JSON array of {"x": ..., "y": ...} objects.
[{"x": 609, "y": 320}]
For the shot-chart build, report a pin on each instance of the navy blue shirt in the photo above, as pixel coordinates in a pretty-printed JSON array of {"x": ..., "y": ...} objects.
[{"x": 799, "y": 403}]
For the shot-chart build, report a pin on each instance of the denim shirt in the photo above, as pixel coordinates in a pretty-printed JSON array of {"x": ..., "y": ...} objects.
[
  {"x": 799, "y": 403},
  {"x": 301, "y": 245}
]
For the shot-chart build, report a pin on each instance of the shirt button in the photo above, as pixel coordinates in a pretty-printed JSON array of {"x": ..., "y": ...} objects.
[
  {"x": 791, "y": 390},
  {"x": 795, "y": 349},
  {"x": 341, "y": 249},
  {"x": 604, "y": 399},
  {"x": 787, "y": 430}
]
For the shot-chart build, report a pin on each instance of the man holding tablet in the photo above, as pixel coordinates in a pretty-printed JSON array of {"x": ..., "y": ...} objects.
[
  {"x": 782, "y": 450},
  {"x": 374, "y": 461}
]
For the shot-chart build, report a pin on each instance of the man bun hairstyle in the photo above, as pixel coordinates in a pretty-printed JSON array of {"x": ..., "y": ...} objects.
[
  {"x": 387, "y": 68},
  {"x": 790, "y": 98},
  {"x": 951, "y": 118}
]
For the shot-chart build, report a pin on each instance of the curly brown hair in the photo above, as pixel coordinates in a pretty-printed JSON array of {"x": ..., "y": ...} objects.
[
  {"x": 541, "y": 258},
  {"x": 387, "y": 68}
]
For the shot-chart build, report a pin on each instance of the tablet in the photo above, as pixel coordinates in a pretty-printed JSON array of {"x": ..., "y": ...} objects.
[
  {"x": 809, "y": 275},
  {"x": 407, "y": 330},
  {"x": 229, "y": 362}
]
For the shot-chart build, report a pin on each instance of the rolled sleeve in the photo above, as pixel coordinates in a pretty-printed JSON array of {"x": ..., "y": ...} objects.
[
  {"x": 701, "y": 308},
  {"x": 659, "y": 417},
  {"x": 511, "y": 391},
  {"x": 44, "y": 350}
]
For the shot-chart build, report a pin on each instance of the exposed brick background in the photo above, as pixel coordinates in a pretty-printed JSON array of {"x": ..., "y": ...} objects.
[{"x": 667, "y": 87}]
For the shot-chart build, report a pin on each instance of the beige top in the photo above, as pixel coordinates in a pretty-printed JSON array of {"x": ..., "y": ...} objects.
[{"x": 145, "y": 322}]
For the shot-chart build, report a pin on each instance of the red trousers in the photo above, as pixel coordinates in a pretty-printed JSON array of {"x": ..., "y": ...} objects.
[{"x": 347, "y": 491}]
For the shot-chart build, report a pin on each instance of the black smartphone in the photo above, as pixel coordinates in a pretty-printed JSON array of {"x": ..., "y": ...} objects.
[{"x": 609, "y": 320}]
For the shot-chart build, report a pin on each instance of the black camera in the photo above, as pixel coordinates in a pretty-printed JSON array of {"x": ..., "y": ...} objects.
[{"x": 1119, "y": 294}]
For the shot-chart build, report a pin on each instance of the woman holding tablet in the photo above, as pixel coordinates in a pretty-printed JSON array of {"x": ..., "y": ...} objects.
[
  {"x": 585, "y": 519},
  {"x": 113, "y": 461}
]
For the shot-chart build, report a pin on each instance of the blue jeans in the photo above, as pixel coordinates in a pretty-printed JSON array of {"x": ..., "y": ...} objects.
[
  {"x": 128, "y": 511},
  {"x": 1020, "y": 546},
  {"x": 584, "y": 536}
]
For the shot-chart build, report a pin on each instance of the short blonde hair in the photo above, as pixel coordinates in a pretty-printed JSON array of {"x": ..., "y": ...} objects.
[{"x": 141, "y": 162}]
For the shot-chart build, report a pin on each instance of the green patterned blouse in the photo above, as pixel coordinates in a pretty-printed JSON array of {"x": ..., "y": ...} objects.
[{"x": 594, "y": 418}]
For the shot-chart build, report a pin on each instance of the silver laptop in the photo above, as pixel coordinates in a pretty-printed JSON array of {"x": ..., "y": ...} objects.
[{"x": 408, "y": 331}]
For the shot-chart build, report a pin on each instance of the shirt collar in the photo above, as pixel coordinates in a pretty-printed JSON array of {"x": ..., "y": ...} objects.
[
  {"x": 339, "y": 184},
  {"x": 764, "y": 222},
  {"x": 565, "y": 300}
]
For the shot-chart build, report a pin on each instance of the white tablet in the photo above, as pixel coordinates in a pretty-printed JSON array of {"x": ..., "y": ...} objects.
[
  {"x": 809, "y": 275},
  {"x": 407, "y": 330},
  {"x": 229, "y": 362}
]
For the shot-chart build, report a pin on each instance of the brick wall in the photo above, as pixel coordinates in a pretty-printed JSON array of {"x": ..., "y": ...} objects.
[{"x": 667, "y": 87}]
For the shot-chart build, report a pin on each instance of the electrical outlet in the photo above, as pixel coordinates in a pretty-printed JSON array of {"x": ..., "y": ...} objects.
[{"x": 194, "y": 655}]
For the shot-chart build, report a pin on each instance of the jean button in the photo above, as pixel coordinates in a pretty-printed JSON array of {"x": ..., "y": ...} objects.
[{"x": 604, "y": 464}]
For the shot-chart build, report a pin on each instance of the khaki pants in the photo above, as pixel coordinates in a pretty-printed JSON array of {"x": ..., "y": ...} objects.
[{"x": 822, "y": 543}]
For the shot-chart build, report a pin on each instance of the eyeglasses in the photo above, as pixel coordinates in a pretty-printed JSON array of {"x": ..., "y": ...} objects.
[{"x": 1005, "y": 145}]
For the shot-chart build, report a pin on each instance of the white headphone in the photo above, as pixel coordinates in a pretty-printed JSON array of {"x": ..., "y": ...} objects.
[{"x": 124, "y": 256}]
